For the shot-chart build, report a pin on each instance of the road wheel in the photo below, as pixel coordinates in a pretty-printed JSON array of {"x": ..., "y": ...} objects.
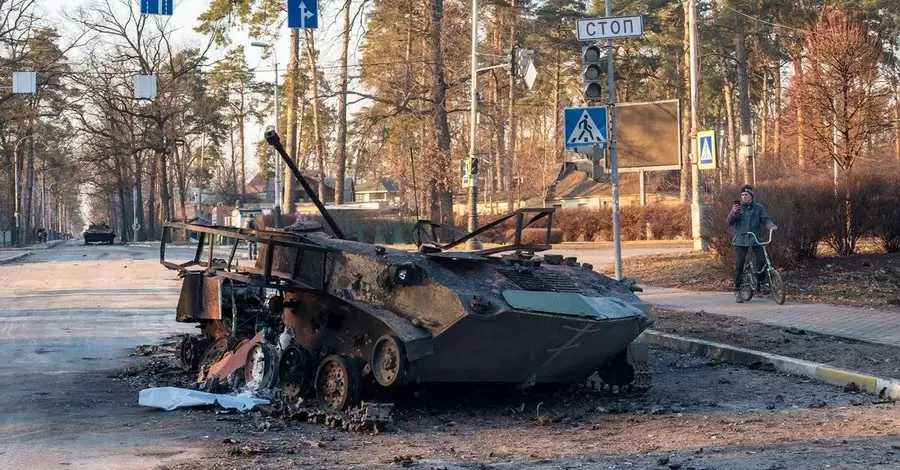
[
  {"x": 338, "y": 382},
  {"x": 189, "y": 352},
  {"x": 389, "y": 361},
  {"x": 296, "y": 371},
  {"x": 259, "y": 369}
]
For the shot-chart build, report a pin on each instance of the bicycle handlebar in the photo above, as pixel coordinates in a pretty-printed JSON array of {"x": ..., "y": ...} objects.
[{"x": 755, "y": 238}]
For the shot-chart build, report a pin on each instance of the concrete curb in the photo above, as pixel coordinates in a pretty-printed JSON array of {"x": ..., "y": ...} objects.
[
  {"x": 733, "y": 354},
  {"x": 15, "y": 257}
]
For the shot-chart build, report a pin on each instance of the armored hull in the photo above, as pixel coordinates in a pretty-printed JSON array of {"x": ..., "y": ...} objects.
[
  {"x": 468, "y": 318},
  {"x": 99, "y": 234},
  {"x": 325, "y": 317}
]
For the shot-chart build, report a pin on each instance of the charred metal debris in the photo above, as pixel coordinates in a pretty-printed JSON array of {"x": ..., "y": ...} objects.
[{"x": 324, "y": 321}]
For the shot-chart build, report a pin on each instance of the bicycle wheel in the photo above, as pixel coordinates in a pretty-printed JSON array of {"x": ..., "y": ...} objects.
[
  {"x": 748, "y": 281},
  {"x": 776, "y": 286}
]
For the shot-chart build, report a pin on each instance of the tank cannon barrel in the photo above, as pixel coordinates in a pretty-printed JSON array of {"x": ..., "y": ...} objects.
[{"x": 275, "y": 141}]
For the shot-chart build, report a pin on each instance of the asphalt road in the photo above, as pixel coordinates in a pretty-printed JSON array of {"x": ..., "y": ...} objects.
[{"x": 70, "y": 316}]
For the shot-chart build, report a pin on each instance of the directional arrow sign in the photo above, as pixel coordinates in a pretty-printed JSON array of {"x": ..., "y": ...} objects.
[
  {"x": 303, "y": 14},
  {"x": 157, "y": 7}
]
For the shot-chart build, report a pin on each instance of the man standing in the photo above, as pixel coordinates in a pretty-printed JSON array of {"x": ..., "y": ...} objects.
[{"x": 747, "y": 216}]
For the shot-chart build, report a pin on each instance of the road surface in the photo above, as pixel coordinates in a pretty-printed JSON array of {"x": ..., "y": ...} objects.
[{"x": 70, "y": 317}]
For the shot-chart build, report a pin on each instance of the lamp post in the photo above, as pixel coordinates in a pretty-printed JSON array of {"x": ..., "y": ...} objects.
[{"x": 276, "y": 207}]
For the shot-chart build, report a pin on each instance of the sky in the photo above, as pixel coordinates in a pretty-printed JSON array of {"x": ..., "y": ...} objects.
[{"x": 184, "y": 20}]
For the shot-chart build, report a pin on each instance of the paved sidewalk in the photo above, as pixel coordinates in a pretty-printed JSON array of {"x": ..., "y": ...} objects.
[
  {"x": 13, "y": 256},
  {"x": 33, "y": 246},
  {"x": 864, "y": 324}
]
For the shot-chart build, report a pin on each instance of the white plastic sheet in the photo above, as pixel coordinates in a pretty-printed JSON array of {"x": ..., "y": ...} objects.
[{"x": 170, "y": 398}]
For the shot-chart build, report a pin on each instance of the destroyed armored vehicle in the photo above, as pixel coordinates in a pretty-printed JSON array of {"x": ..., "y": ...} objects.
[
  {"x": 327, "y": 318},
  {"x": 99, "y": 233}
]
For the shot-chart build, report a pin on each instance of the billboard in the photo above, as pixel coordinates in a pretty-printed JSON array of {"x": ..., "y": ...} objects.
[{"x": 648, "y": 135}]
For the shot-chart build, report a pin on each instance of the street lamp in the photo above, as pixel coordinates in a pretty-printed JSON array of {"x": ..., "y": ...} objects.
[{"x": 276, "y": 208}]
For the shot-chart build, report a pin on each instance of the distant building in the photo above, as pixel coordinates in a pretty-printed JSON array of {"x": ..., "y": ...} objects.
[
  {"x": 383, "y": 189},
  {"x": 572, "y": 188}
]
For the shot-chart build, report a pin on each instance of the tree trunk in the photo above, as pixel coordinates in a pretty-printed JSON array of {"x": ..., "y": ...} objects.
[
  {"x": 740, "y": 40},
  {"x": 776, "y": 131},
  {"x": 151, "y": 201},
  {"x": 728, "y": 92},
  {"x": 683, "y": 95},
  {"x": 444, "y": 196},
  {"x": 798, "y": 99},
  {"x": 317, "y": 128},
  {"x": 287, "y": 202},
  {"x": 121, "y": 226},
  {"x": 28, "y": 203},
  {"x": 342, "y": 110},
  {"x": 141, "y": 234},
  {"x": 557, "y": 89},
  {"x": 243, "y": 143},
  {"x": 163, "y": 179},
  {"x": 764, "y": 114}
]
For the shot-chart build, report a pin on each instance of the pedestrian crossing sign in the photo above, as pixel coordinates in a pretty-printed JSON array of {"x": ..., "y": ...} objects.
[
  {"x": 706, "y": 143},
  {"x": 585, "y": 126}
]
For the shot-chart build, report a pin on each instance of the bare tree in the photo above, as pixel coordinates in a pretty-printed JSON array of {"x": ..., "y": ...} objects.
[{"x": 843, "y": 90}]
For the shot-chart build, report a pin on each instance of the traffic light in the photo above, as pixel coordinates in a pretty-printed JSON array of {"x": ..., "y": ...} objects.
[
  {"x": 591, "y": 72},
  {"x": 512, "y": 60}
]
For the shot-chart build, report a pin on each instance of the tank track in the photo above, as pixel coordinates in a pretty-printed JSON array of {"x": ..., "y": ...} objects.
[
  {"x": 643, "y": 377},
  {"x": 640, "y": 385},
  {"x": 367, "y": 417}
]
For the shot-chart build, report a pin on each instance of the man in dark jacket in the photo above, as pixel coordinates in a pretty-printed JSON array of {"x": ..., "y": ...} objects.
[{"x": 747, "y": 216}]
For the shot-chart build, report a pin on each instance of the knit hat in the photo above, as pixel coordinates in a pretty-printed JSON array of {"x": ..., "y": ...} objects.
[{"x": 747, "y": 189}]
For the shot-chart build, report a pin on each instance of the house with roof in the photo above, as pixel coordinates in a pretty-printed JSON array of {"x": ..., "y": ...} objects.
[
  {"x": 382, "y": 189},
  {"x": 572, "y": 187}
]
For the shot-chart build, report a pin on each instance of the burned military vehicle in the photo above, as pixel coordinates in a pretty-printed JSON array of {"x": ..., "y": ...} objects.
[{"x": 322, "y": 317}]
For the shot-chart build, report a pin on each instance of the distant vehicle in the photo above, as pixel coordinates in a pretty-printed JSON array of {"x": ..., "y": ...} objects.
[{"x": 99, "y": 233}]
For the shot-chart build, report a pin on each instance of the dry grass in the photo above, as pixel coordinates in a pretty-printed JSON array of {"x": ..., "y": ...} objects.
[{"x": 865, "y": 280}]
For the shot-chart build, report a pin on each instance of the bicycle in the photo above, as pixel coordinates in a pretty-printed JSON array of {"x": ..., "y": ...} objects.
[{"x": 750, "y": 282}]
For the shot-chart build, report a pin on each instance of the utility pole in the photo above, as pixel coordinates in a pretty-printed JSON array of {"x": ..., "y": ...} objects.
[
  {"x": 511, "y": 131},
  {"x": 276, "y": 206},
  {"x": 613, "y": 153},
  {"x": 473, "y": 244},
  {"x": 700, "y": 241}
]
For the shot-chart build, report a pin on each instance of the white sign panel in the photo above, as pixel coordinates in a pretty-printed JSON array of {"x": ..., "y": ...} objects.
[
  {"x": 25, "y": 82},
  {"x": 610, "y": 28},
  {"x": 530, "y": 75},
  {"x": 145, "y": 86}
]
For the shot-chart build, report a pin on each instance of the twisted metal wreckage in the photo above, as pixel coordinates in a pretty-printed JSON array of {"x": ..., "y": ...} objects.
[{"x": 327, "y": 320}]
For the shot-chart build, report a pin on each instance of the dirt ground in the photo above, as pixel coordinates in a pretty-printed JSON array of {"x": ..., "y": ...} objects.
[
  {"x": 879, "y": 360},
  {"x": 868, "y": 280},
  {"x": 698, "y": 414}
]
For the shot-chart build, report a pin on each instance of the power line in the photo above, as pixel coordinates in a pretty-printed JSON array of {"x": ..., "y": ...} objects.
[
  {"x": 760, "y": 20},
  {"x": 206, "y": 72}
]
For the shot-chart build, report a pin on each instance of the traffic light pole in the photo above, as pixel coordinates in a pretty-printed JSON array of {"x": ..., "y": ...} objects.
[
  {"x": 613, "y": 153},
  {"x": 473, "y": 133}
]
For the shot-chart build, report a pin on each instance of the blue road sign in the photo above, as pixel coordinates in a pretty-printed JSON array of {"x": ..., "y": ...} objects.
[
  {"x": 585, "y": 126},
  {"x": 706, "y": 141},
  {"x": 303, "y": 13},
  {"x": 157, "y": 7}
]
